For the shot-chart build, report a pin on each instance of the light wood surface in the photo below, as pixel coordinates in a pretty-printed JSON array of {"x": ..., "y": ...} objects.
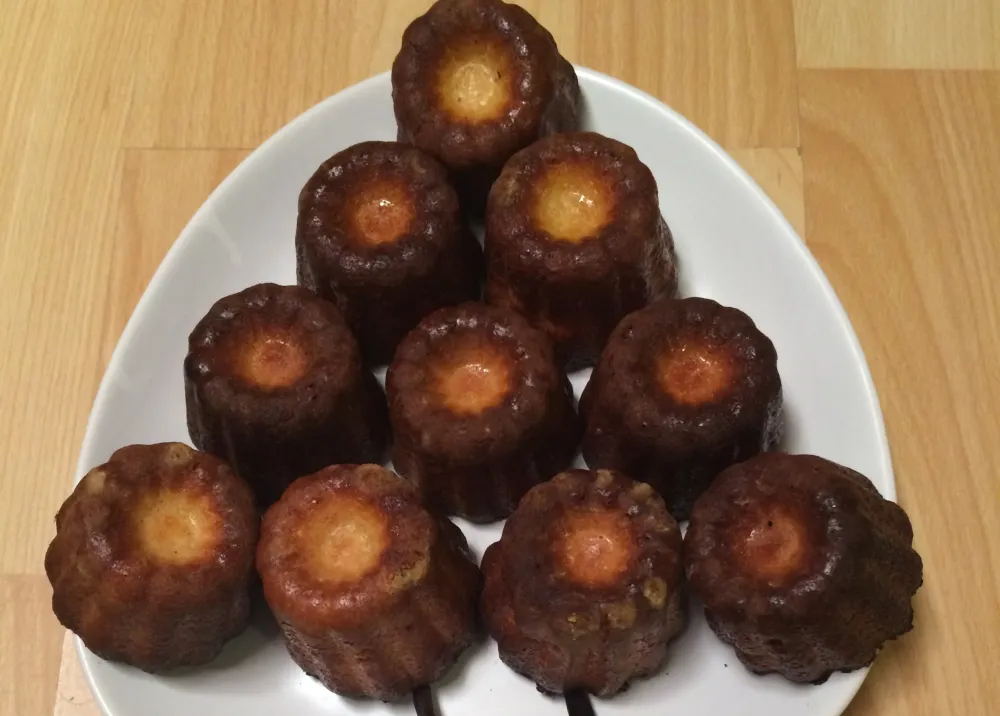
[{"x": 875, "y": 125}]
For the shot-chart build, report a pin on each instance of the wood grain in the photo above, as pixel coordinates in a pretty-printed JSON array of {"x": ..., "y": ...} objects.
[
  {"x": 701, "y": 56},
  {"x": 917, "y": 34},
  {"x": 150, "y": 219},
  {"x": 31, "y": 646},
  {"x": 244, "y": 89},
  {"x": 60, "y": 146},
  {"x": 72, "y": 697},
  {"x": 117, "y": 117},
  {"x": 727, "y": 65},
  {"x": 917, "y": 199}
]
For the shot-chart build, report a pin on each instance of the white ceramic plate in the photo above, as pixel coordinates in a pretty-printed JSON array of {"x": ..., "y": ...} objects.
[{"x": 734, "y": 246}]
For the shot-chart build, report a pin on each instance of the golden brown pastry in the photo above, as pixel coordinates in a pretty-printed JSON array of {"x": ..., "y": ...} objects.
[
  {"x": 475, "y": 81},
  {"x": 575, "y": 240},
  {"x": 683, "y": 389},
  {"x": 480, "y": 410},
  {"x": 153, "y": 556},
  {"x": 583, "y": 591},
  {"x": 275, "y": 386},
  {"x": 380, "y": 234},
  {"x": 375, "y": 596},
  {"x": 801, "y": 565}
]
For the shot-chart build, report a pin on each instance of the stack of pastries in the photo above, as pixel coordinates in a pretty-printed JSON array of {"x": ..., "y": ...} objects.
[{"x": 799, "y": 562}]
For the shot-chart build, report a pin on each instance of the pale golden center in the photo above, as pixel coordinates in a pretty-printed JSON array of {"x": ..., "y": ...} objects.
[
  {"x": 473, "y": 380},
  {"x": 773, "y": 546},
  {"x": 177, "y": 527},
  {"x": 474, "y": 81},
  {"x": 594, "y": 548},
  {"x": 695, "y": 374},
  {"x": 382, "y": 212},
  {"x": 573, "y": 202},
  {"x": 344, "y": 539},
  {"x": 273, "y": 361}
]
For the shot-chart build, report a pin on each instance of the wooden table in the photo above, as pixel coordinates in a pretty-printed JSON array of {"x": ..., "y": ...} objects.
[{"x": 875, "y": 125}]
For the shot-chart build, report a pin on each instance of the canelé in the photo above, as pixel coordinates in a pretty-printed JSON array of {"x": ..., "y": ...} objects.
[
  {"x": 474, "y": 82},
  {"x": 801, "y": 565},
  {"x": 575, "y": 240},
  {"x": 275, "y": 386},
  {"x": 374, "y": 595},
  {"x": 153, "y": 557},
  {"x": 480, "y": 411},
  {"x": 583, "y": 590},
  {"x": 380, "y": 234},
  {"x": 683, "y": 389}
]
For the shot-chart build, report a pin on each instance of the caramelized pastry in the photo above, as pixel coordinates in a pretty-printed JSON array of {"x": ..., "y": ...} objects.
[
  {"x": 380, "y": 234},
  {"x": 153, "y": 556},
  {"x": 276, "y": 387},
  {"x": 583, "y": 591},
  {"x": 575, "y": 240},
  {"x": 801, "y": 565},
  {"x": 477, "y": 80},
  {"x": 683, "y": 389},
  {"x": 375, "y": 597},
  {"x": 480, "y": 411}
]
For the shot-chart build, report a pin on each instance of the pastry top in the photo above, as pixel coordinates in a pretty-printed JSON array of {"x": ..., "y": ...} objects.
[
  {"x": 684, "y": 371},
  {"x": 476, "y": 80},
  {"x": 376, "y": 200},
  {"x": 786, "y": 537},
  {"x": 160, "y": 523},
  {"x": 590, "y": 549},
  {"x": 345, "y": 544},
  {"x": 272, "y": 349},
  {"x": 471, "y": 374},
  {"x": 574, "y": 204}
]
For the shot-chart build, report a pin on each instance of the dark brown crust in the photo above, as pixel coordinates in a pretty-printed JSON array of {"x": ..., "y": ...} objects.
[
  {"x": 479, "y": 466},
  {"x": 546, "y": 91},
  {"x": 577, "y": 292},
  {"x": 384, "y": 634},
  {"x": 854, "y": 591},
  {"x": 335, "y": 413},
  {"x": 632, "y": 425},
  {"x": 128, "y": 607},
  {"x": 564, "y": 636},
  {"x": 384, "y": 290}
]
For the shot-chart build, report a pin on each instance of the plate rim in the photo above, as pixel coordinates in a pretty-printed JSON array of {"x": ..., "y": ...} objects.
[{"x": 188, "y": 234}]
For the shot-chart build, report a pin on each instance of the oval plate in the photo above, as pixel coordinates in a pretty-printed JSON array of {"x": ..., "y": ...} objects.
[{"x": 734, "y": 246}]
